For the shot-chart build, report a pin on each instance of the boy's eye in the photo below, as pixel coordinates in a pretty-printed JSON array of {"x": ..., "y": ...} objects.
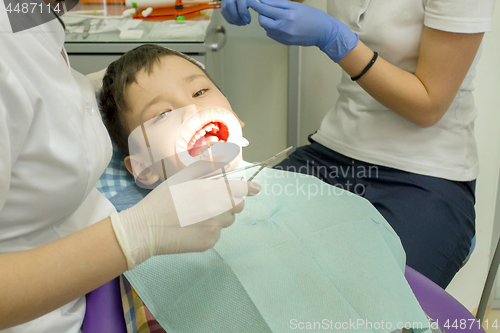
[
  {"x": 161, "y": 116},
  {"x": 200, "y": 92}
]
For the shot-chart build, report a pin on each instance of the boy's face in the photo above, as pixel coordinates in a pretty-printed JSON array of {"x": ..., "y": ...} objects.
[{"x": 174, "y": 83}]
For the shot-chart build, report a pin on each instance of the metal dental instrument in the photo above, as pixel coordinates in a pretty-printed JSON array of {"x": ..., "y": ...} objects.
[
  {"x": 269, "y": 160},
  {"x": 86, "y": 28},
  {"x": 261, "y": 164},
  {"x": 98, "y": 25}
]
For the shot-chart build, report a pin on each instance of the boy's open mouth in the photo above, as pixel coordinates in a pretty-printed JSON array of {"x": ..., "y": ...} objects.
[
  {"x": 206, "y": 136},
  {"x": 209, "y": 127}
]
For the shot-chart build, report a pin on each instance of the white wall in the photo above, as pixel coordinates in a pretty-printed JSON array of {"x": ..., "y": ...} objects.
[
  {"x": 255, "y": 82},
  {"x": 467, "y": 285},
  {"x": 319, "y": 77}
]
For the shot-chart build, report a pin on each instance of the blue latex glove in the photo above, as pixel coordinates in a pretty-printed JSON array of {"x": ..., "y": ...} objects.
[
  {"x": 235, "y": 12},
  {"x": 293, "y": 23}
]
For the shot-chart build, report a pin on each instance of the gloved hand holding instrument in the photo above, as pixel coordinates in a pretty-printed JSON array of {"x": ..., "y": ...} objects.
[
  {"x": 293, "y": 23},
  {"x": 236, "y": 12},
  {"x": 179, "y": 217}
]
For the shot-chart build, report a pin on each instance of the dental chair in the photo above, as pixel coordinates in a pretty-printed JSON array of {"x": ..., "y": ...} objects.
[
  {"x": 105, "y": 313},
  {"x": 104, "y": 310}
]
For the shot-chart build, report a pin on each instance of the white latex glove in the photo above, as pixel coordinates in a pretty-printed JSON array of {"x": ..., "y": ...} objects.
[{"x": 179, "y": 217}]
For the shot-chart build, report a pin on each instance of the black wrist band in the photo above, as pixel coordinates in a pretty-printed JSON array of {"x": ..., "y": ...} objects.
[{"x": 370, "y": 64}]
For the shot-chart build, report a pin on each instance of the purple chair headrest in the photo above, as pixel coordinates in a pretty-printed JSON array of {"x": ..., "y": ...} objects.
[{"x": 441, "y": 306}]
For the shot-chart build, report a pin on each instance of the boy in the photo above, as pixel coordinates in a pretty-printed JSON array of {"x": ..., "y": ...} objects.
[
  {"x": 307, "y": 258},
  {"x": 145, "y": 86}
]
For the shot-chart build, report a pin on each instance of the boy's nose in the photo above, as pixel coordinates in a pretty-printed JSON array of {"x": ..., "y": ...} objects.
[{"x": 192, "y": 109}]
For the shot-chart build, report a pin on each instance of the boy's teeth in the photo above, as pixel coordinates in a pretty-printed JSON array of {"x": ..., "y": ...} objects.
[
  {"x": 213, "y": 139},
  {"x": 201, "y": 133}
]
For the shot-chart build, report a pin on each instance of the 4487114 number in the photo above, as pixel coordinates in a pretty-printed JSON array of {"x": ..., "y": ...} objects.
[
  {"x": 33, "y": 8},
  {"x": 467, "y": 324}
]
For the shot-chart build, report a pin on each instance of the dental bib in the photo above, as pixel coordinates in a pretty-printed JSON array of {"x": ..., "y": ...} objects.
[{"x": 301, "y": 253}]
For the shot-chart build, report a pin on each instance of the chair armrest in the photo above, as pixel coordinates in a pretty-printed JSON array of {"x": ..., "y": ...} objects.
[
  {"x": 104, "y": 310},
  {"x": 439, "y": 305}
]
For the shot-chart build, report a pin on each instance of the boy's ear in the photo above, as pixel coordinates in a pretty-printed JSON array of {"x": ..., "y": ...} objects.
[{"x": 148, "y": 176}]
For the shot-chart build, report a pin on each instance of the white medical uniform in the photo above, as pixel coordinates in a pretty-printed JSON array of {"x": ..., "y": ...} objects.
[
  {"x": 53, "y": 148},
  {"x": 361, "y": 128}
]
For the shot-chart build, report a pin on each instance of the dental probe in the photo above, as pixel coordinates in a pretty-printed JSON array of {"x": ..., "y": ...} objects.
[
  {"x": 269, "y": 160},
  {"x": 232, "y": 171},
  {"x": 211, "y": 159}
]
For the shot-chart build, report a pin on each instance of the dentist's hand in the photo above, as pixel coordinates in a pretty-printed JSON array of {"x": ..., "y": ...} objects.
[
  {"x": 235, "y": 12},
  {"x": 179, "y": 217},
  {"x": 293, "y": 23}
]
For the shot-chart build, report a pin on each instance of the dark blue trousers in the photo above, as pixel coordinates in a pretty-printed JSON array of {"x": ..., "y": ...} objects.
[{"x": 434, "y": 217}]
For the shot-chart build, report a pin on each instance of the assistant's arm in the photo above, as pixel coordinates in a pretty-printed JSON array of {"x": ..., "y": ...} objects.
[{"x": 422, "y": 97}]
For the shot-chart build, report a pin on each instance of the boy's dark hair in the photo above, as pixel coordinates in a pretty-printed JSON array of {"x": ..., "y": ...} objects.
[{"x": 119, "y": 74}]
